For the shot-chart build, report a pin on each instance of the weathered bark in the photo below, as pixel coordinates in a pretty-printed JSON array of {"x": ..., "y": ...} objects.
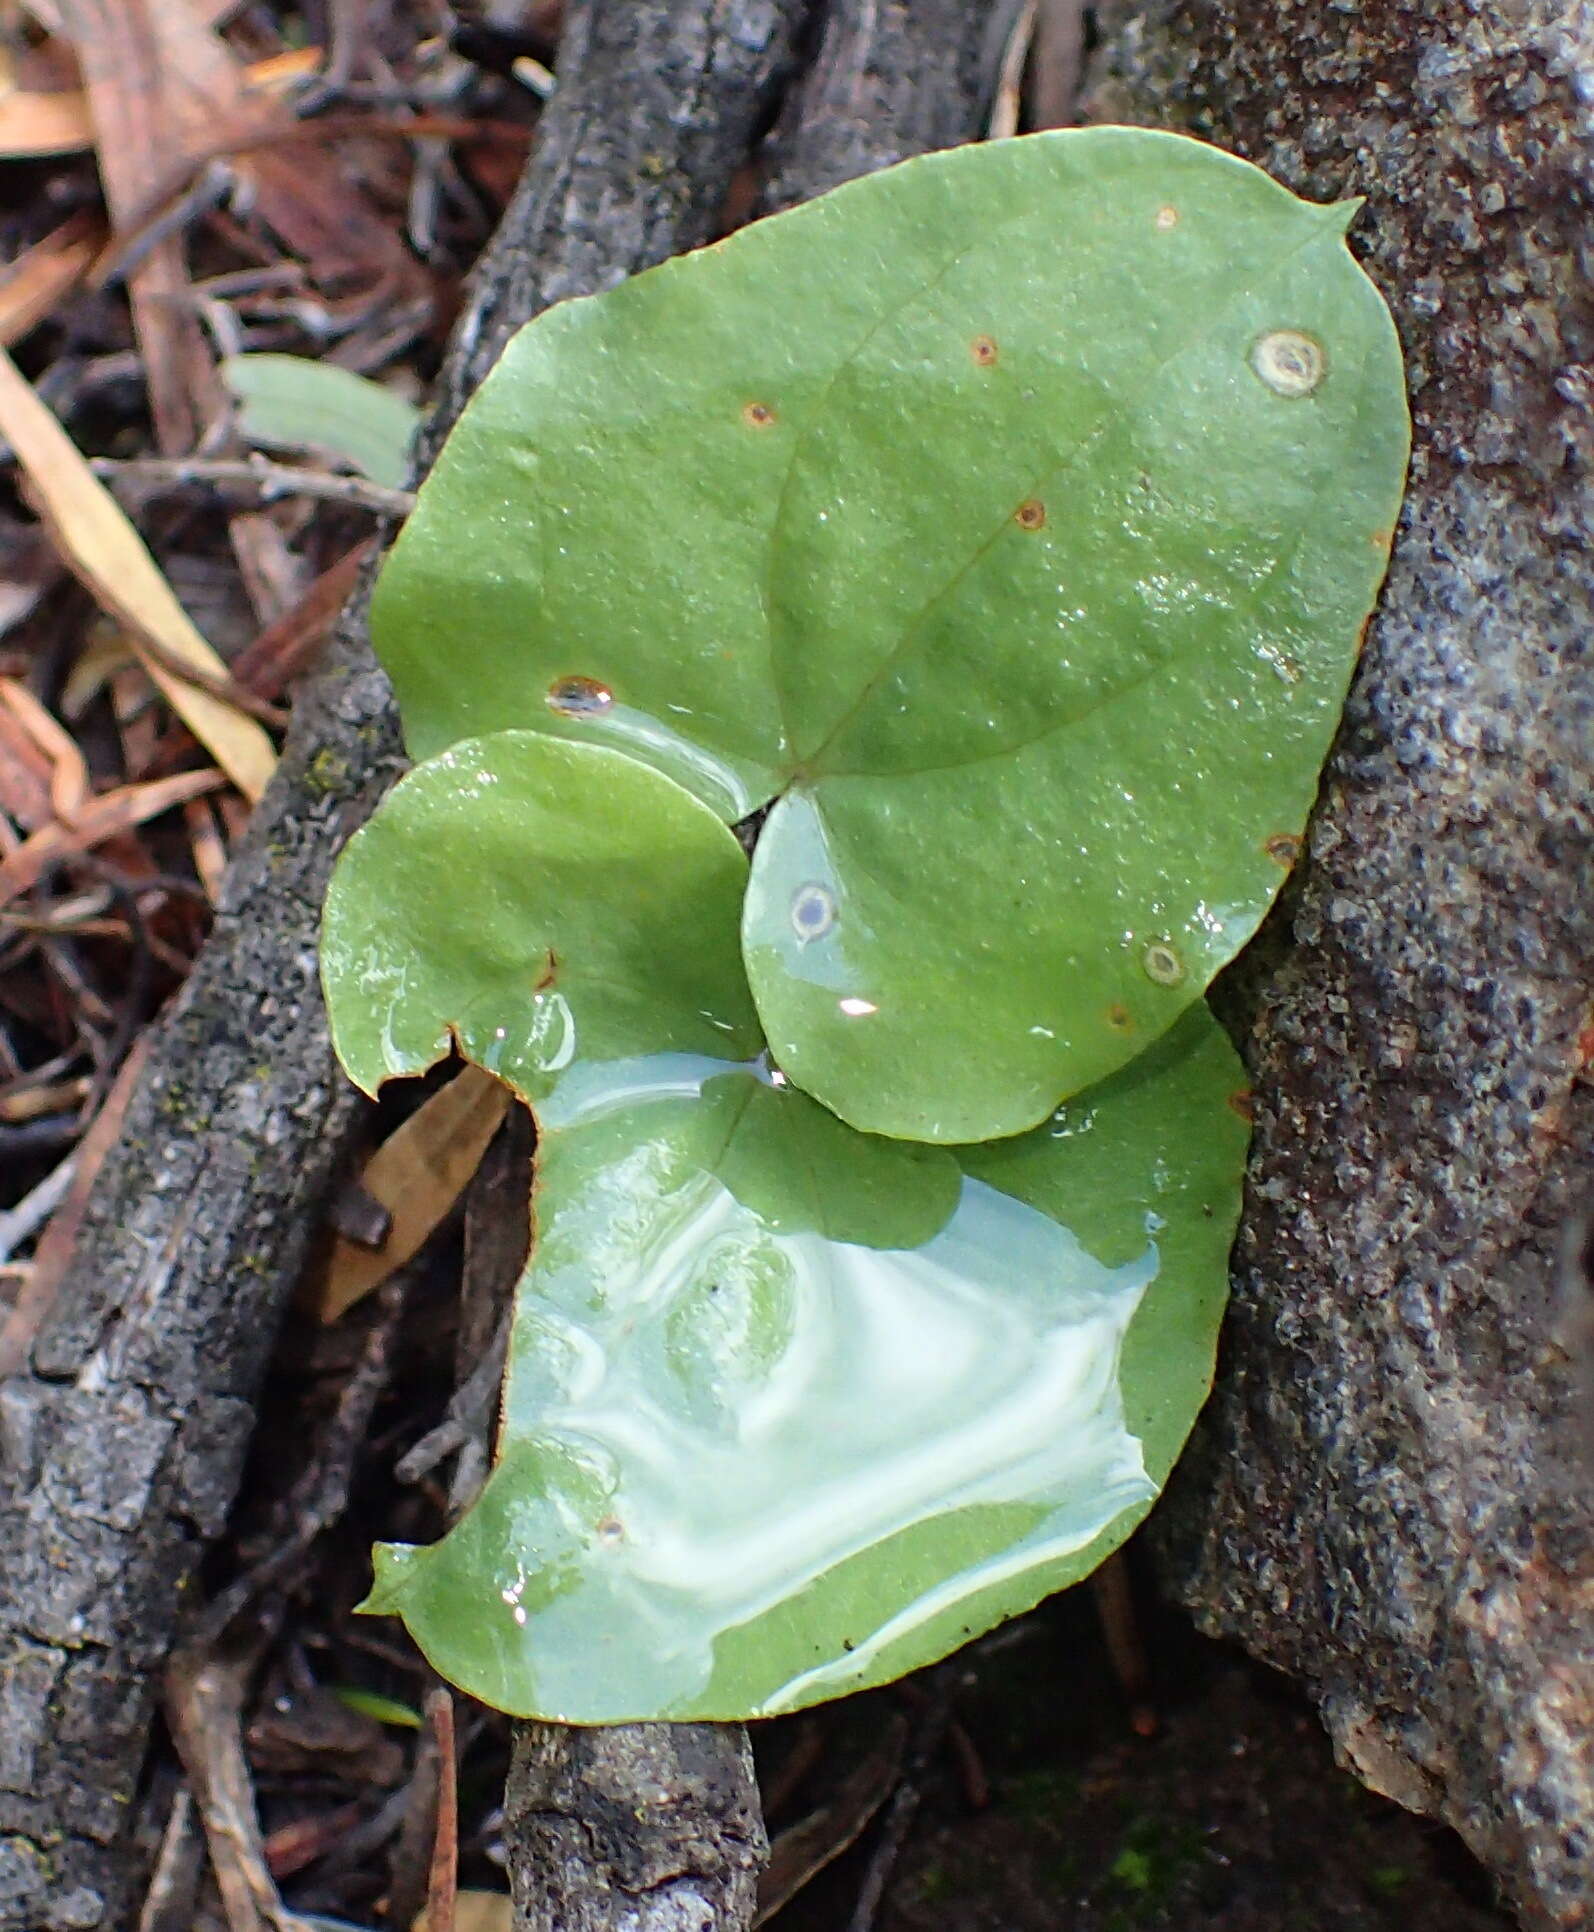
[
  {"x": 1390, "y": 1497},
  {"x": 889, "y": 78},
  {"x": 121, "y": 1445},
  {"x": 654, "y": 1827},
  {"x": 640, "y": 1827}
]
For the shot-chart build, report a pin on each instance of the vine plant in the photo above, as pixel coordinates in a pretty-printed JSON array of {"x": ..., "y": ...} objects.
[{"x": 995, "y": 535}]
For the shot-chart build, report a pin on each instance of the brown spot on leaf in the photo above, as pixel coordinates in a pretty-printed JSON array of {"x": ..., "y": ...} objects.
[
  {"x": 1120, "y": 1019},
  {"x": 757, "y": 415},
  {"x": 1167, "y": 217},
  {"x": 550, "y": 972},
  {"x": 983, "y": 350},
  {"x": 610, "y": 1529},
  {"x": 1243, "y": 1101},
  {"x": 579, "y": 697},
  {"x": 1283, "y": 848},
  {"x": 1031, "y": 514}
]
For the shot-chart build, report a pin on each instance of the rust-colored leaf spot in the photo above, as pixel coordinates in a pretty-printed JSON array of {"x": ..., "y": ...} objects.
[
  {"x": 550, "y": 972},
  {"x": 757, "y": 415},
  {"x": 1167, "y": 217},
  {"x": 579, "y": 697},
  {"x": 1383, "y": 539},
  {"x": 1031, "y": 514},
  {"x": 983, "y": 350},
  {"x": 610, "y": 1529},
  {"x": 1283, "y": 848},
  {"x": 1120, "y": 1019},
  {"x": 1243, "y": 1101}
]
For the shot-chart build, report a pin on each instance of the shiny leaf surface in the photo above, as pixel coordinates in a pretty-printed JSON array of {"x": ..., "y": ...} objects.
[
  {"x": 792, "y": 1410},
  {"x": 532, "y": 900},
  {"x": 1010, "y": 519}
]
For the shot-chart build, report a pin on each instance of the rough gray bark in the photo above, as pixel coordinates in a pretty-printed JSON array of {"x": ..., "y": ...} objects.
[
  {"x": 889, "y": 78},
  {"x": 635, "y": 1828},
  {"x": 1391, "y": 1498},
  {"x": 655, "y": 1827},
  {"x": 120, "y": 1446}
]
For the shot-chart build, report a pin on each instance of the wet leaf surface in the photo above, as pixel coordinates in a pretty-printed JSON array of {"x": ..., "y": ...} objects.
[{"x": 791, "y": 1409}]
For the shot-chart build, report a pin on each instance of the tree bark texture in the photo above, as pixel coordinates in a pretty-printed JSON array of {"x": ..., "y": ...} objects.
[
  {"x": 657, "y": 1827},
  {"x": 1391, "y": 1494},
  {"x": 633, "y": 1828},
  {"x": 889, "y": 78},
  {"x": 121, "y": 1443}
]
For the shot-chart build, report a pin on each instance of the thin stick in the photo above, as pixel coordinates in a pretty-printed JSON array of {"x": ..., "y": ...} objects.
[
  {"x": 442, "y": 1882},
  {"x": 268, "y": 481}
]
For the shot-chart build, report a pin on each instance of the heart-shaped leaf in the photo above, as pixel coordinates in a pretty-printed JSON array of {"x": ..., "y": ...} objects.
[
  {"x": 791, "y": 1408},
  {"x": 1010, "y": 518}
]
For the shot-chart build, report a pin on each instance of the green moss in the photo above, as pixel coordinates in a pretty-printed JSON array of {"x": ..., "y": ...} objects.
[
  {"x": 1153, "y": 1856},
  {"x": 327, "y": 771}
]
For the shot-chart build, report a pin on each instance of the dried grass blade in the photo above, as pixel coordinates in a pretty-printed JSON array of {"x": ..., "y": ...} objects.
[
  {"x": 34, "y": 125},
  {"x": 69, "y": 774},
  {"x": 108, "y": 554},
  {"x": 43, "y": 276},
  {"x": 100, "y": 819}
]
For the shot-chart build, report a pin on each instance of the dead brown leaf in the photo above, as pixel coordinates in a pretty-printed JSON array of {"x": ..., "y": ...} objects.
[
  {"x": 24, "y": 776},
  {"x": 32, "y": 125},
  {"x": 418, "y": 1174},
  {"x": 44, "y": 275},
  {"x": 69, "y": 775},
  {"x": 136, "y": 58},
  {"x": 289, "y": 646},
  {"x": 100, "y": 819}
]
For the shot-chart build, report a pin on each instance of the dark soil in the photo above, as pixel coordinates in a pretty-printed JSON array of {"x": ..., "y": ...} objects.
[{"x": 1232, "y": 1818}]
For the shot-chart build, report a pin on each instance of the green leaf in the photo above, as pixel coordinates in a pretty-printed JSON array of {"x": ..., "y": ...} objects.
[
  {"x": 792, "y": 1410},
  {"x": 386, "y": 1710},
  {"x": 1010, "y": 518},
  {"x": 294, "y": 403},
  {"x": 534, "y": 902}
]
